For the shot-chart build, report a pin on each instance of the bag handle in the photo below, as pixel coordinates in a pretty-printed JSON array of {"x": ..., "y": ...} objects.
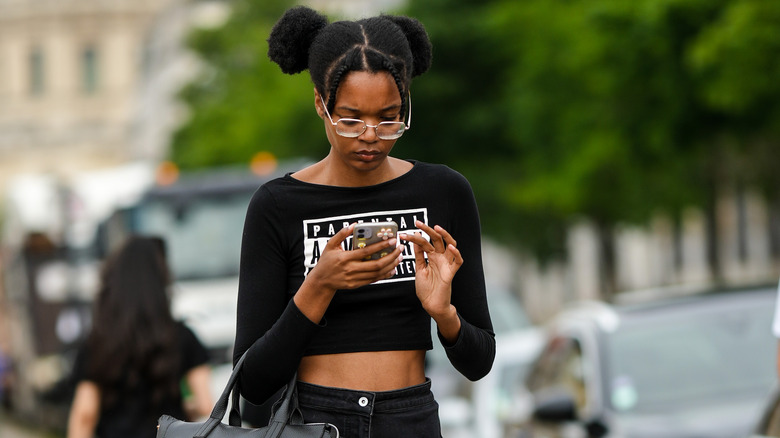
[{"x": 278, "y": 421}]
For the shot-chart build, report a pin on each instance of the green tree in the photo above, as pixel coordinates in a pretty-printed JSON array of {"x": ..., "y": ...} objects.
[
  {"x": 242, "y": 103},
  {"x": 459, "y": 118},
  {"x": 736, "y": 62},
  {"x": 602, "y": 109},
  {"x": 606, "y": 109}
]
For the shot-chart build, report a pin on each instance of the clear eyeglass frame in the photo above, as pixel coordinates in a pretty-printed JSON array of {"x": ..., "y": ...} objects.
[{"x": 352, "y": 128}]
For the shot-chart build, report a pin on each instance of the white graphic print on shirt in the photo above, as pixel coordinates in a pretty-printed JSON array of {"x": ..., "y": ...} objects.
[{"x": 317, "y": 232}]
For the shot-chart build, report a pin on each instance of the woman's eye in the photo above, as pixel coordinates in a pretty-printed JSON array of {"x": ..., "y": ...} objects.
[{"x": 350, "y": 122}]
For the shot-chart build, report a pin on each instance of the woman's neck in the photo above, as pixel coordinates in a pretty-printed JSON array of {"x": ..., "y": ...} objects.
[{"x": 325, "y": 172}]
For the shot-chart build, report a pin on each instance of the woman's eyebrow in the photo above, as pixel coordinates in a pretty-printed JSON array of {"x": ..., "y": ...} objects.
[{"x": 355, "y": 110}]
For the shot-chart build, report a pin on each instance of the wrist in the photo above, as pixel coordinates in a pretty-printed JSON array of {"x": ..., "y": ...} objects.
[
  {"x": 448, "y": 324},
  {"x": 313, "y": 299},
  {"x": 316, "y": 284}
]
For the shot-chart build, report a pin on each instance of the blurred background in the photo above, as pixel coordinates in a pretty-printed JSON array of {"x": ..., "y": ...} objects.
[{"x": 619, "y": 150}]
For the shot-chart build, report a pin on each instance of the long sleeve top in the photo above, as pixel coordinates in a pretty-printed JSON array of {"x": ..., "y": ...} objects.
[{"x": 287, "y": 225}]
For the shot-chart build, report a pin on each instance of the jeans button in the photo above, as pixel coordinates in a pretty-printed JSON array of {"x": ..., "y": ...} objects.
[{"x": 363, "y": 402}]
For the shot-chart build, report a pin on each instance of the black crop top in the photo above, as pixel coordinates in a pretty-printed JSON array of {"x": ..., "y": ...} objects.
[{"x": 287, "y": 225}]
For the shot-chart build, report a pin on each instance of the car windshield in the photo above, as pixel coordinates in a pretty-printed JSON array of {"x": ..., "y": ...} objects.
[
  {"x": 203, "y": 234},
  {"x": 714, "y": 349}
]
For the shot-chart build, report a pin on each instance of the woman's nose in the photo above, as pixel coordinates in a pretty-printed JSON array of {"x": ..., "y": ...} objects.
[{"x": 369, "y": 135}]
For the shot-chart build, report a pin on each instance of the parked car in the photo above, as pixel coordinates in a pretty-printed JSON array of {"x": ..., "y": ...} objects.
[{"x": 695, "y": 366}]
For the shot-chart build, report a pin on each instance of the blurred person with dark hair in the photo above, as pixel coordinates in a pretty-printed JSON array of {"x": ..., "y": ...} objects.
[{"x": 131, "y": 367}]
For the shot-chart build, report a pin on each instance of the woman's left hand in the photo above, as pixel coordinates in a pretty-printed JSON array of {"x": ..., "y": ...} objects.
[{"x": 433, "y": 279}]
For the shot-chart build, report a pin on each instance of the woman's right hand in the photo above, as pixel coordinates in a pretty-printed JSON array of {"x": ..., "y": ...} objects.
[{"x": 341, "y": 269}]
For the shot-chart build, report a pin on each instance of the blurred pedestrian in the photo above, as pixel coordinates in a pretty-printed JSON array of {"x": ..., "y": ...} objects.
[
  {"x": 357, "y": 331},
  {"x": 131, "y": 367}
]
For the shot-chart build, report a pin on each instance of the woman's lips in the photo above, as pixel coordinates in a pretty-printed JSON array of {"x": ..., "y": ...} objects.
[{"x": 368, "y": 155}]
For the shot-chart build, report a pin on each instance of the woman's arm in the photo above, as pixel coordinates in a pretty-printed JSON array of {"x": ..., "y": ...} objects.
[
  {"x": 463, "y": 318},
  {"x": 475, "y": 348},
  {"x": 198, "y": 379},
  {"x": 470, "y": 349},
  {"x": 85, "y": 411}
]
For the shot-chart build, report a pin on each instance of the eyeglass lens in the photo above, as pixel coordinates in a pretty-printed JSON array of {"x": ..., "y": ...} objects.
[{"x": 356, "y": 127}]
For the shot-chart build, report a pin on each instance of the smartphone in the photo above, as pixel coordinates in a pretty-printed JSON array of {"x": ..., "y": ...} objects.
[{"x": 367, "y": 233}]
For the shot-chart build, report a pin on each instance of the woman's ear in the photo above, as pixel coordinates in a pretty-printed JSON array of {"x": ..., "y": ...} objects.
[{"x": 318, "y": 104}]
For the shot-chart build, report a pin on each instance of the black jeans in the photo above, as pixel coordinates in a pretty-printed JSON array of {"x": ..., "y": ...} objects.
[{"x": 409, "y": 412}]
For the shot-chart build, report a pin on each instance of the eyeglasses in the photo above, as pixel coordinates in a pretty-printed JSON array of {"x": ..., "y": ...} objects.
[{"x": 352, "y": 128}]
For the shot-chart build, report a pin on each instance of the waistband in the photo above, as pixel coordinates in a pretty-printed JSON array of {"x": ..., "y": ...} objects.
[{"x": 369, "y": 402}]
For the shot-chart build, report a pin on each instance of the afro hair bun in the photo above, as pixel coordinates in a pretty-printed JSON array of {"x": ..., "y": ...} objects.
[
  {"x": 292, "y": 36},
  {"x": 419, "y": 42}
]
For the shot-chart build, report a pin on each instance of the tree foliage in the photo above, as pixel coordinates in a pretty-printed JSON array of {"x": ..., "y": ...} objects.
[
  {"x": 242, "y": 103},
  {"x": 606, "y": 109}
]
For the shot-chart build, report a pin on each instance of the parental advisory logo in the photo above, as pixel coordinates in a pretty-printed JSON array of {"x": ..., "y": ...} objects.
[{"x": 317, "y": 232}]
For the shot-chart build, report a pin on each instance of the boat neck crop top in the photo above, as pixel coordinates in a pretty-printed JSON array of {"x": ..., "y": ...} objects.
[{"x": 287, "y": 225}]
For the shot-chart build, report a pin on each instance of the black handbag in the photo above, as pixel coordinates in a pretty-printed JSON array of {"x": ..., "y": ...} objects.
[{"x": 286, "y": 422}]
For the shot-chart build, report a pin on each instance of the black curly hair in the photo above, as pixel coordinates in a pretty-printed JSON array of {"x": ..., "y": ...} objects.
[{"x": 302, "y": 38}]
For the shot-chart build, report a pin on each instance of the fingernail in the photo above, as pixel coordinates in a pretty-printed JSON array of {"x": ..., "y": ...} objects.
[{"x": 392, "y": 242}]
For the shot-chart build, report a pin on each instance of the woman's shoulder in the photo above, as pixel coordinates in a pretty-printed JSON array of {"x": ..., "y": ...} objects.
[
  {"x": 284, "y": 182},
  {"x": 195, "y": 353},
  {"x": 182, "y": 326},
  {"x": 186, "y": 331},
  {"x": 436, "y": 172},
  {"x": 186, "y": 335},
  {"x": 428, "y": 168},
  {"x": 273, "y": 189}
]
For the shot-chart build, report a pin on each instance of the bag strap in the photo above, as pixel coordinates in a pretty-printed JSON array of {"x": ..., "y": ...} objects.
[
  {"x": 288, "y": 411},
  {"x": 279, "y": 420}
]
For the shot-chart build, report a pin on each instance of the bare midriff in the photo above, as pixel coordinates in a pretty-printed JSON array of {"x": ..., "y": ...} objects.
[{"x": 365, "y": 371}]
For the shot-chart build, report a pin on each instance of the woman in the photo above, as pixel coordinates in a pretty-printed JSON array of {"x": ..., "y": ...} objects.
[
  {"x": 130, "y": 368},
  {"x": 357, "y": 331}
]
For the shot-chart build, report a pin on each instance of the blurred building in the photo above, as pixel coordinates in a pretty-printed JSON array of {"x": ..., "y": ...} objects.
[
  {"x": 87, "y": 89},
  {"x": 70, "y": 72}
]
